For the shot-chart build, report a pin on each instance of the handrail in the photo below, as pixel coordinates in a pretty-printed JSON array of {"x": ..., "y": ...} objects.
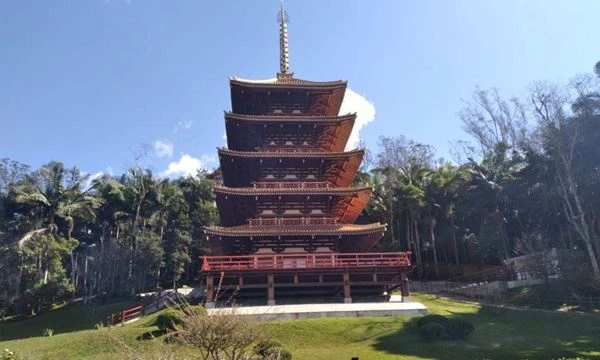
[
  {"x": 305, "y": 261},
  {"x": 291, "y": 185},
  {"x": 133, "y": 312},
  {"x": 292, "y": 221}
]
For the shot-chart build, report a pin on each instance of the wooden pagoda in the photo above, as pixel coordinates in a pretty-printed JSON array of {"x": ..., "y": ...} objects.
[{"x": 287, "y": 204}]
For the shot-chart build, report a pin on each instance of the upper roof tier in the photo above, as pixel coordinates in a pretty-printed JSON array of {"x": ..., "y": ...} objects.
[
  {"x": 320, "y": 133},
  {"x": 286, "y": 96}
]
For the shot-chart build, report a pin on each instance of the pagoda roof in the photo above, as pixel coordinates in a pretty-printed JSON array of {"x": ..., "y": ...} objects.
[
  {"x": 249, "y": 239},
  {"x": 290, "y": 154},
  {"x": 243, "y": 168},
  {"x": 286, "y": 95},
  {"x": 330, "y": 229},
  {"x": 287, "y": 82},
  {"x": 299, "y": 118},
  {"x": 244, "y": 132},
  {"x": 252, "y": 191},
  {"x": 237, "y": 205}
]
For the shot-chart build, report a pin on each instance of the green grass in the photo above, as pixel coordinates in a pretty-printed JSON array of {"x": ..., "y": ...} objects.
[
  {"x": 72, "y": 317},
  {"x": 550, "y": 297},
  {"x": 499, "y": 334}
]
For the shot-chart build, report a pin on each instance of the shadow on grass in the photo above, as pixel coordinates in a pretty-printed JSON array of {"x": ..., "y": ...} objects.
[
  {"x": 152, "y": 335},
  {"x": 72, "y": 317},
  {"x": 504, "y": 334}
]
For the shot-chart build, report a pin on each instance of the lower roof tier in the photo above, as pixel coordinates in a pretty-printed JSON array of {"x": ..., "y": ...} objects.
[
  {"x": 238, "y": 205},
  {"x": 247, "y": 239}
]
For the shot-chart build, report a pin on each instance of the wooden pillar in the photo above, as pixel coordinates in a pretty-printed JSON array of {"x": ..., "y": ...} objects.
[
  {"x": 404, "y": 289},
  {"x": 295, "y": 278},
  {"x": 210, "y": 292},
  {"x": 320, "y": 278},
  {"x": 270, "y": 290},
  {"x": 347, "y": 295},
  {"x": 240, "y": 281}
]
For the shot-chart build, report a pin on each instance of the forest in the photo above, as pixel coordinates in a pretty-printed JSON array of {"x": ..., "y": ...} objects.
[{"x": 526, "y": 179}]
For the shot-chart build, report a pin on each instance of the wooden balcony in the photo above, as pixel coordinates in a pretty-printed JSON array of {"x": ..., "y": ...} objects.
[
  {"x": 289, "y": 262},
  {"x": 292, "y": 221},
  {"x": 291, "y": 185}
]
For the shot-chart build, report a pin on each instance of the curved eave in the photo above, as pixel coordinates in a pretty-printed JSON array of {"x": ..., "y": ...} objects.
[
  {"x": 288, "y": 154},
  {"x": 287, "y": 83},
  {"x": 250, "y": 191},
  {"x": 333, "y": 131},
  {"x": 300, "y": 118},
  {"x": 267, "y": 231}
]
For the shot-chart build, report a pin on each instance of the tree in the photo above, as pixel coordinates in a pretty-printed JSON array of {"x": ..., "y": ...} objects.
[{"x": 562, "y": 134}]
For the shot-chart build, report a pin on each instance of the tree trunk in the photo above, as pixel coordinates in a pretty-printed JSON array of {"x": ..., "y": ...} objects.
[
  {"x": 454, "y": 242},
  {"x": 432, "y": 224}
]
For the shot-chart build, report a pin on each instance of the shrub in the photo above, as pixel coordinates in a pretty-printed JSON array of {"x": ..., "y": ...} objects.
[
  {"x": 264, "y": 346},
  {"x": 277, "y": 353},
  {"x": 197, "y": 310},
  {"x": 431, "y": 331},
  {"x": 8, "y": 355},
  {"x": 48, "y": 332},
  {"x": 439, "y": 319},
  {"x": 458, "y": 329},
  {"x": 169, "y": 319}
]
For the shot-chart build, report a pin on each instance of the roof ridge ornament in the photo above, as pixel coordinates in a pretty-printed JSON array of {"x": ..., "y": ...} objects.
[{"x": 284, "y": 60}]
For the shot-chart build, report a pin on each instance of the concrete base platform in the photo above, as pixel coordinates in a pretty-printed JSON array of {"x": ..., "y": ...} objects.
[{"x": 306, "y": 311}]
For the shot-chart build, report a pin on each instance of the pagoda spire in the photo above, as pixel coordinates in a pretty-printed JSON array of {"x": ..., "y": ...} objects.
[{"x": 284, "y": 61}]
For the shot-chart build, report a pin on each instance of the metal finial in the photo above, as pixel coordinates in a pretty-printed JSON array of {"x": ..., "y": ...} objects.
[{"x": 284, "y": 61}]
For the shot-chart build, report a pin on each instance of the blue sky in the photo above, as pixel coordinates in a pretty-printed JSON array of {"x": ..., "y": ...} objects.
[{"x": 93, "y": 83}]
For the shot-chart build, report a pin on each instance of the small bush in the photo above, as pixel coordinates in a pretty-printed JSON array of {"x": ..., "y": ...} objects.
[
  {"x": 277, "y": 353},
  {"x": 458, "y": 329},
  {"x": 431, "y": 331},
  {"x": 8, "y": 355},
  {"x": 264, "y": 346},
  {"x": 48, "y": 332},
  {"x": 439, "y": 319},
  {"x": 196, "y": 310},
  {"x": 169, "y": 319}
]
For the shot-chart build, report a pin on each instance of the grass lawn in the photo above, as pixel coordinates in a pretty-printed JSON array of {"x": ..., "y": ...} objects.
[{"x": 499, "y": 334}]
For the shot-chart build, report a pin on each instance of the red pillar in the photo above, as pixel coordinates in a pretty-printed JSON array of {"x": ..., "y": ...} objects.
[
  {"x": 404, "y": 289},
  {"x": 347, "y": 295},
  {"x": 210, "y": 292},
  {"x": 270, "y": 290}
]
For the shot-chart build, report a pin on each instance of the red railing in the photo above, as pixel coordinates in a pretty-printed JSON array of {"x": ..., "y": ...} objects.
[
  {"x": 151, "y": 303},
  {"x": 305, "y": 261},
  {"x": 291, "y": 185},
  {"x": 289, "y": 149},
  {"x": 124, "y": 315},
  {"x": 291, "y": 221}
]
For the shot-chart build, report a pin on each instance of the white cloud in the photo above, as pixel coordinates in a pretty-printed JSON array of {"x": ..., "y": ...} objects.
[
  {"x": 87, "y": 183},
  {"x": 91, "y": 177},
  {"x": 187, "y": 165},
  {"x": 365, "y": 113},
  {"x": 163, "y": 148},
  {"x": 183, "y": 125}
]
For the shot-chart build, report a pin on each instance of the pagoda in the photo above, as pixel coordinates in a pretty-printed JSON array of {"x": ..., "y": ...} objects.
[{"x": 287, "y": 202}]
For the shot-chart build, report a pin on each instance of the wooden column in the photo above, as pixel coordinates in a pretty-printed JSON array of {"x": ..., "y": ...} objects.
[
  {"x": 270, "y": 290},
  {"x": 404, "y": 289},
  {"x": 347, "y": 295},
  {"x": 210, "y": 292}
]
